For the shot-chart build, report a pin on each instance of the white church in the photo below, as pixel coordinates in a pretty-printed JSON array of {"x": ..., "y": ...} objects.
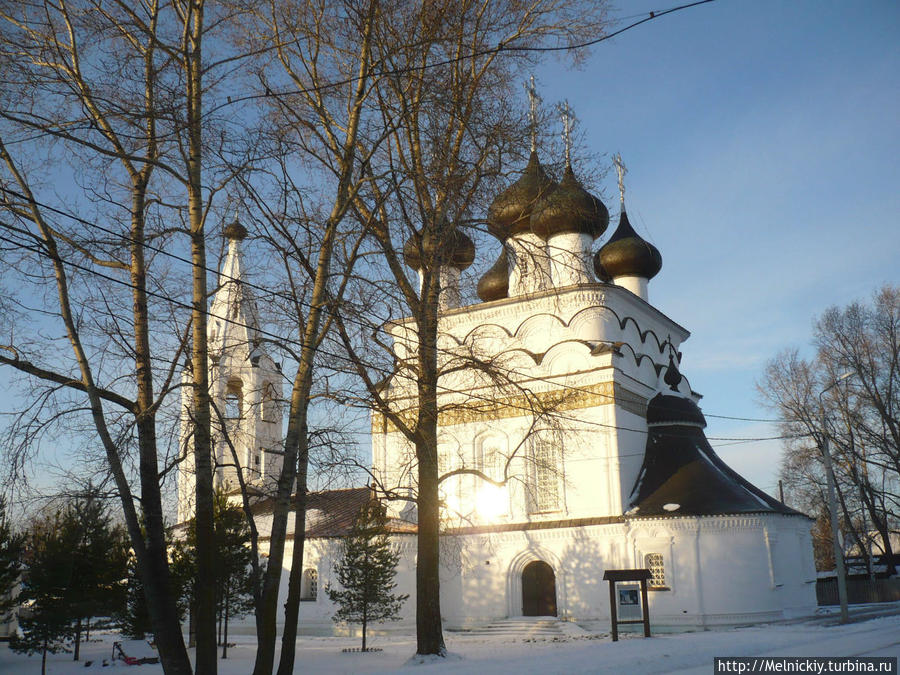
[{"x": 587, "y": 455}]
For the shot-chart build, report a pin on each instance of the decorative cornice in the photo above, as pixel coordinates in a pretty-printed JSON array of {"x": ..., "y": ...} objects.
[
  {"x": 535, "y": 525},
  {"x": 535, "y": 403}
]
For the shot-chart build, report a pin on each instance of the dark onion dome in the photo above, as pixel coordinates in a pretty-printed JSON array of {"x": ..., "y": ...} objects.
[
  {"x": 683, "y": 476},
  {"x": 626, "y": 254},
  {"x": 235, "y": 231},
  {"x": 569, "y": 208},
  {"x": 494, "y": 285},
  {"x": 456, "y": 250},
  {"x": 510, "y": 212}
]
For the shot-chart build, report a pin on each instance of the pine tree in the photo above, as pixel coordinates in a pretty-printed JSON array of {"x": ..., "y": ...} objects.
[
  {"x": 366, "y": 572},
  {"x": 233, "y": 573},
  {"x": 134, "y": 619},
  {"x": 11, "y": 550},
  {"x": 99, "y": 562},
  {"x": 47, "y": 623}
]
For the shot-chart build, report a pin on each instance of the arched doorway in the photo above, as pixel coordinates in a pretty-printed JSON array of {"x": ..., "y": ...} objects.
[{"x": 538, "y": 589}]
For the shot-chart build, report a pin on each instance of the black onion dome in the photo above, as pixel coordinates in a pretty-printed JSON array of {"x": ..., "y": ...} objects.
[
  {"x": 569, "y": 208},
  {"x": 510, "y": 212},
  {"x": 457, "y": 250},
  {"x": 627, "y": 254},
  {"x": 235, "y": 231},
  {"x": 668, "y": 409},
  {"x": 683, "y": 476},
  {"x": 494, "y": 285}
]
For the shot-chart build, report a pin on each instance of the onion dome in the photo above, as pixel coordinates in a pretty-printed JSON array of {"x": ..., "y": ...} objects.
[
  {"x": 494, "y": 285},
  {"x": 235, "y": 231},
  {"x": 626, "y": 254},
  {"x": 510, "y": 212},
  {"x": 569, "y": 208},
  {"x": 454, "y": 249}
]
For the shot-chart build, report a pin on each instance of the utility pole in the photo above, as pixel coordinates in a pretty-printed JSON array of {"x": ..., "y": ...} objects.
[{"x": 832, "y": 507}]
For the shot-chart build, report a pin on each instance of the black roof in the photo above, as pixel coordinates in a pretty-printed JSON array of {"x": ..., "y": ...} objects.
[{"x": 681, "y": 471}]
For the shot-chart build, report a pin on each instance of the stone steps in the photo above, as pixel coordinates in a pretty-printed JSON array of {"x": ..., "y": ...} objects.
[{"x": 523, "y": 628}]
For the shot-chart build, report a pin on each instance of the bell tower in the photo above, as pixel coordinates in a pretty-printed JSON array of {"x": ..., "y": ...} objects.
[{"x": 246, "y": 391}]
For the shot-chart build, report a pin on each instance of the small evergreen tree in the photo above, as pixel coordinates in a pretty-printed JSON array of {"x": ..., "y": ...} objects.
[
  {"x": 234, "y": 576},
  {"x": 46, "y": 619},
  {"x": 134, "y": 619},
  {"x": 366, "y": 572},
  {"x": 99, "y": 562},
  {"x": 12, "y": 547}
]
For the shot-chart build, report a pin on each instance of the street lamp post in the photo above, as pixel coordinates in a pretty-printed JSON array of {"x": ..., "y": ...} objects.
[{"x": 832, "y": 507}]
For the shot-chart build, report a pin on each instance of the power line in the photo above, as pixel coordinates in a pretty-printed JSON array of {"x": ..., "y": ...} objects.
[
  {"x": 500, "y": 49},
  {"x": 340, "y": 357},
  {"x": 287, "y": 297}
]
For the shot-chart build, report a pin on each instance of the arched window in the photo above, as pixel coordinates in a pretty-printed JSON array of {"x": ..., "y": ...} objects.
[
  {"x": 234, "y": 399},
  {"x": 490, "y": 456},
  {"x": 654, "y": 563},
  {"x": 309, "y": 588}
]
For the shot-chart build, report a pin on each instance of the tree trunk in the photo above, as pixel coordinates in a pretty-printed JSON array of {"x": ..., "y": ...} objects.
[
  {"x": 77, "y": 655},
  {"x": 205, "y": 585},
  {"x": 429, "y": 633},
  {"x": 152, "y": 560},
  {"x": 292, "y": 605},
  {"x": 225, "y": 638},
  {"x": 364, "y": 622}
]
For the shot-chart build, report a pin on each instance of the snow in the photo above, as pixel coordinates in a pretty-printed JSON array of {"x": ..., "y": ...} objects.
[{"x": 576, "y": 651}]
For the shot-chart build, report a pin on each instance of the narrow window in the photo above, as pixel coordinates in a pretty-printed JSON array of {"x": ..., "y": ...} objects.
[
  {"x": 269, "y": 403},
  {"x": 310, "y": 585},
  {"x": 233, "y": 399},
  {"x": 545, "y": 478},
  {"x": 654, "y": 563}
]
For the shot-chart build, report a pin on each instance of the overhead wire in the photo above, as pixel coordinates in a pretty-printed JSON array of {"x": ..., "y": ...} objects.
[
  {"x": 302, "y": 303},
  {"x": 340, "y": 357},
  {"x": 499, "y": 49}
]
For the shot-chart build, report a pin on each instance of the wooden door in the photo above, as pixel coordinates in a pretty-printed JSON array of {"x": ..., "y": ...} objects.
[{"x": 538, "y": 589}]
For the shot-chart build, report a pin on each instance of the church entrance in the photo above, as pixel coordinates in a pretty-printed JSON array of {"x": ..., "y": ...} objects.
[{"x": 538, "y": 589}]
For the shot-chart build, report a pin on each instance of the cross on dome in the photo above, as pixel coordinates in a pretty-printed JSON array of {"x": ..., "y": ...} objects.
[
  {"x": 621, "y": 170},
  {"x": 534, "y": 101},
  {"x": 568, "y": 120}
]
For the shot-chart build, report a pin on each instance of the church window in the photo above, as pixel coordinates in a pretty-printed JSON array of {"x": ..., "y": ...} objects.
[
  {"x": 654, "y": 563},
  {"x": 233, "y": 399},
  {"x": 488, "y": 457},
  {"x": 269, "y": 403},
  {"x": 257, "y": 461},
  {"x": 310, "y": 585},
  {"x": 545, "y": 478}
]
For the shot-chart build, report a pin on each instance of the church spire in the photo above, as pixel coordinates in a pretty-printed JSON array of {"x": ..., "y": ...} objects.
[{"x": 234, "y": 317}]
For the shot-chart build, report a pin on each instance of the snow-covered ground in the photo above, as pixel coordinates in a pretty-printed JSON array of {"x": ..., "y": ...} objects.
[{"x": 577, "y": 651}]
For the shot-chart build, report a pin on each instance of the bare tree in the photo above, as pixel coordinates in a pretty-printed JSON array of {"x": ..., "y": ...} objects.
[
  {"x": 861, "y": 343},
  {"x": 444, "y": 98},
  {"x": 118, "y": 93}
]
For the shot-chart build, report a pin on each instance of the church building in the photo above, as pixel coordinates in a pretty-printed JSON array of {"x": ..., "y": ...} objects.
[{"x": 582, "y": 451}]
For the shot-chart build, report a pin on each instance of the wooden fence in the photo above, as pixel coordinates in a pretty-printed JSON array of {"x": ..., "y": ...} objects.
[{"x": 858, "y": 591}]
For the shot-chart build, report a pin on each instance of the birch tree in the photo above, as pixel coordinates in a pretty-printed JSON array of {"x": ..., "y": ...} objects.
[{"x": 111, "y": 157}]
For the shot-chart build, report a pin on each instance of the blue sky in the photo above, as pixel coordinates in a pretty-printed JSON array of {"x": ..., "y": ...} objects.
[{"x": 761, "y": 140}]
